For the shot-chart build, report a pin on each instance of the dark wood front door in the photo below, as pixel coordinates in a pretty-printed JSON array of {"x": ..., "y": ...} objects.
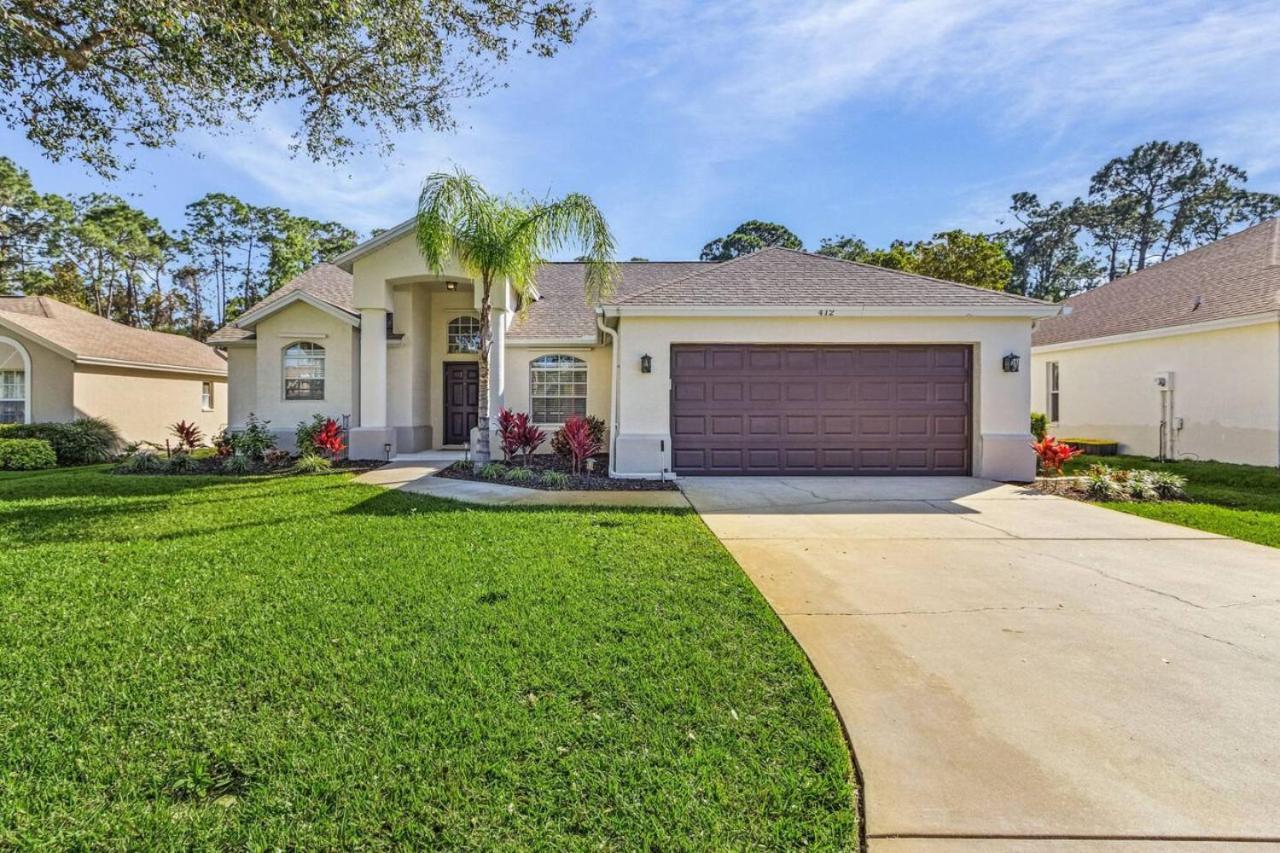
[
  {"x": 744, "y": 409},
  {"x": 461, "y": 400}
]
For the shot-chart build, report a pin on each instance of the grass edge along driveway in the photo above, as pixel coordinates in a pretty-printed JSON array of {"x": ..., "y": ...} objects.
[
  {"x": 1241, "y": 501},
  {"x": 305, "y": 662}
]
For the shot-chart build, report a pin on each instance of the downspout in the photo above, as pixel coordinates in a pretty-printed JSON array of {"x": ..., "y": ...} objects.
[{"x": 614, "y": 390}]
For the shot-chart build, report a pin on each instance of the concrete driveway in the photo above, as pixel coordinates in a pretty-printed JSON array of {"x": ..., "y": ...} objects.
[{"x": 1022, "y": 672}]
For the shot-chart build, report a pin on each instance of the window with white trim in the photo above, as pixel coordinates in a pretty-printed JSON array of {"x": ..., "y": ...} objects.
[
  {"x": 557, "y": 388},
  {"x": 206, "y": 396},
  {"x": 13, "y": 396},
  {"x": 304, "y": 371},
  {"x": 463, "y": 334},
  {"x": 1051, "y": 386}
]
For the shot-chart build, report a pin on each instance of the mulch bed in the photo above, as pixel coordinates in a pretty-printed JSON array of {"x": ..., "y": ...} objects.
[{"x": 596, "y": 482}]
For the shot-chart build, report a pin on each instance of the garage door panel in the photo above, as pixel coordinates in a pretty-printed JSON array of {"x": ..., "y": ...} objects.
[{"x": 829, "y": 409}]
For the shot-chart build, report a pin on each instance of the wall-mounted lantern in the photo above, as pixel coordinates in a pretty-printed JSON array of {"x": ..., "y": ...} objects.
[
  {"x": 646, "y": 363},
  {"x": 450, "y": 285},
  {"x": 1010, "y": 363}
]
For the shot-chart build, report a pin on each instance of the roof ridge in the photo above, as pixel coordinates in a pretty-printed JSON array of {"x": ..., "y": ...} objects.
[
  {"x": 909, "y": 274},
  {"x": 710, "y": 266}
]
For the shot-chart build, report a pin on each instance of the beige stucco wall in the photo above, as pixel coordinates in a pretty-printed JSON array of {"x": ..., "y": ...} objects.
[
  {"x": 444, "y": 306},
  {"x": 144, "y": 404},
  {"x": 298, "y": 322},
  {"x": 1001, "y": 429},
  {"x": 1226, "y": 389},
  {"x": 599, "y": 361},
  {"x": 52, "y": 382},
  {"x": 242, "y": 382}
]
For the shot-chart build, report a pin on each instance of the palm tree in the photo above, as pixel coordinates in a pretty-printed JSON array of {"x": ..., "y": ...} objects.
[{"x": 501, "y": 239}]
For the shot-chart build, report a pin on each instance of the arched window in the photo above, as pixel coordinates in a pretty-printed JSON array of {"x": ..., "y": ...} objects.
[
  {"x": 464, "y": 334},
  {"x": 557, "y": 388},
  {"x": 304, "y": 371},
  {"x": 15, "y": 383}
]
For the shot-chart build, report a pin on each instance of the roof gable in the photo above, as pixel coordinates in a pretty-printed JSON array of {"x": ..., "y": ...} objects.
[{"x": 1237, "y": 276}]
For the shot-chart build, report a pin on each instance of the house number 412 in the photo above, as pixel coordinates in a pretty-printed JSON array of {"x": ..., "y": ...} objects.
[{"x": 826, "y": 312}]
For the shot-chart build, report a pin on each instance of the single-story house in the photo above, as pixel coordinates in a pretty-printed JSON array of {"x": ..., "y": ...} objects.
[
  {"x": 1181, "y": 359},
  {"x": 778, "y": 362},
  {"x": 58, "y": 362}
]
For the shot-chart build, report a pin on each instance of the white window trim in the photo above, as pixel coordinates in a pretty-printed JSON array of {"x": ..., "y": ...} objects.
[
  {"x": 1053, "y": 391},
  {"x": 586, "y": 379},
  {"x": 26, "y": 375},
  {"x": 284, "y": 379},
  {"x": 448, "y": 348},
  {"x": 210, "y": 404}
]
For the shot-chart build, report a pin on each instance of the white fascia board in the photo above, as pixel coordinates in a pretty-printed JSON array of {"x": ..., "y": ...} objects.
[
  {"x": 23, "y": 331},
  {"x": 543, "y": 343},
  {"x": 348, "y": 258},
  {"x": 1163, "y": 332},
  {"x": 1029, "y": 311},
  {"x": 256, "y": 315},
  {"x": 93, "y": 361}
]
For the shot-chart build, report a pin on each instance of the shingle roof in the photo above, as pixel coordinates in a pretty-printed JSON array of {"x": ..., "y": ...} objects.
[
  {"x": 1235, "y": 277},
  {"x": 780, "y": 277},
  {"x": 562, "y": 311},
  {"x": 87, "y": 336},
  {"x": 325, "y": 282}
]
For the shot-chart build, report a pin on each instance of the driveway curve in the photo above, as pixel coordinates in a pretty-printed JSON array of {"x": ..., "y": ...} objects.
[{"x": 1025, "y": 672}]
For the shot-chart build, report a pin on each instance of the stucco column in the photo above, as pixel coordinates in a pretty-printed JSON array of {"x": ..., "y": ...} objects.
[
  {"x": 497, "y": 373},
  {"x": 369, "y": 440}
]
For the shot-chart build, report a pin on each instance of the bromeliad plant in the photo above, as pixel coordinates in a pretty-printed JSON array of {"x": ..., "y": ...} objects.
[
  {"x": 328, "y": 438},
  {"x": 1053, "y": 454},
  {"x": 189, "y": 435},
  {"x": 580, "y": 440},
  {"x": 501, "y": 241}
]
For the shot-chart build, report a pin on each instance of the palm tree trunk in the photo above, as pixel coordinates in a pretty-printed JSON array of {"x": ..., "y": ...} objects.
[{"x": 482, "y": 452}]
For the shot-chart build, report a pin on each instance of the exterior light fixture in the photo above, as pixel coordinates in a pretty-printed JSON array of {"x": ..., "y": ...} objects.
[
  {"x": 386, "y": 451},
  {"x": 450, "y": 285},
  {"x": 646, "y": 363},
  {"x": 1010, "y": 363}
]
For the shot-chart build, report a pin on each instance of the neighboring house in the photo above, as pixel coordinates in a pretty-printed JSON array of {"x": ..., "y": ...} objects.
[
  {"x": 1181, "y": 359},
  {"x": 779, "y": 362},
  {"x": 58, "y": 362}
]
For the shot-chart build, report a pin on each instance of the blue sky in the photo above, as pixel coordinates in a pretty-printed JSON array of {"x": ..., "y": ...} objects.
[{"x": 878, "y": 118}]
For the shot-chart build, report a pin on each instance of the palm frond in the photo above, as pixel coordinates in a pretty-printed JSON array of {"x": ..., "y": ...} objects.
[
  {"x": 453, "y": 208},
  {"x": 550, "y": 226}
]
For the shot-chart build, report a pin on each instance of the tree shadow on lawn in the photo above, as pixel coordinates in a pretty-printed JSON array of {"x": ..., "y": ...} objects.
[{"x": 391, "y": 502}]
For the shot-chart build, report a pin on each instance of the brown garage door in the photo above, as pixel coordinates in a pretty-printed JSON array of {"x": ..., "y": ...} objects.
[{"x": 741, "y": 409}]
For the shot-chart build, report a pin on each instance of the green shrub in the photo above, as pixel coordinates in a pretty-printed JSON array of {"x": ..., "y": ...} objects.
[
  {"x": 554, "y": 479},
  {"x": 1101, "y": 484},
  {"x": 204, "y": 453},
  {"x": 310, "y": 463},
  {"x": 1141, "y": 486},
  {"x": 84, "y": 441},
  {"x": 180, "y": 463},
  {"x": 255, "y": 439},
  {"x": 466, "y": 465},
  {"x": 26, "y": 454},
  {"x": 493, "y": 470},
  {"x": 519, "y": 475},
  {"x": 236, "y": 465},
  {"x": 304, "y": 436},
  {"x": 142, "y": 462},
  {"x": 1039, "y": 425}
]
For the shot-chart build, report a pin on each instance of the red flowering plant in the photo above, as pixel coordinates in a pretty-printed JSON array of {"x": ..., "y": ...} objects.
[
  {"x": 328, "y": 438},
  {"x": 1053, "y": 454},
  {"x": 188, "y": 434},
  {"x": 519, "y": 434},
  {"x": 580, "y": 440}
]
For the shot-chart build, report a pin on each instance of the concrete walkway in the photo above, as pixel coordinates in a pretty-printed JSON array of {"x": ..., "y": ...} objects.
[
  {"x": 419, "y": 478},
  {"x": 1022, "y": 672}
]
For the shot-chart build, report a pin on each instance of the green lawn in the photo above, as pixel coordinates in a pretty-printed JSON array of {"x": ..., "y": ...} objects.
[
  {"x": 1235, "y": 500},
  {"x": 304, "y": 662}
]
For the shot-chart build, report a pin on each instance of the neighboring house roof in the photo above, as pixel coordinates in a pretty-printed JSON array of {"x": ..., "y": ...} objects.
[
  {"x": 87, "y": 338},
  {"x": 326, "y": 283},
  {"x": 777, "y": 277},
  {"x": 1237, "y": 276}
]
